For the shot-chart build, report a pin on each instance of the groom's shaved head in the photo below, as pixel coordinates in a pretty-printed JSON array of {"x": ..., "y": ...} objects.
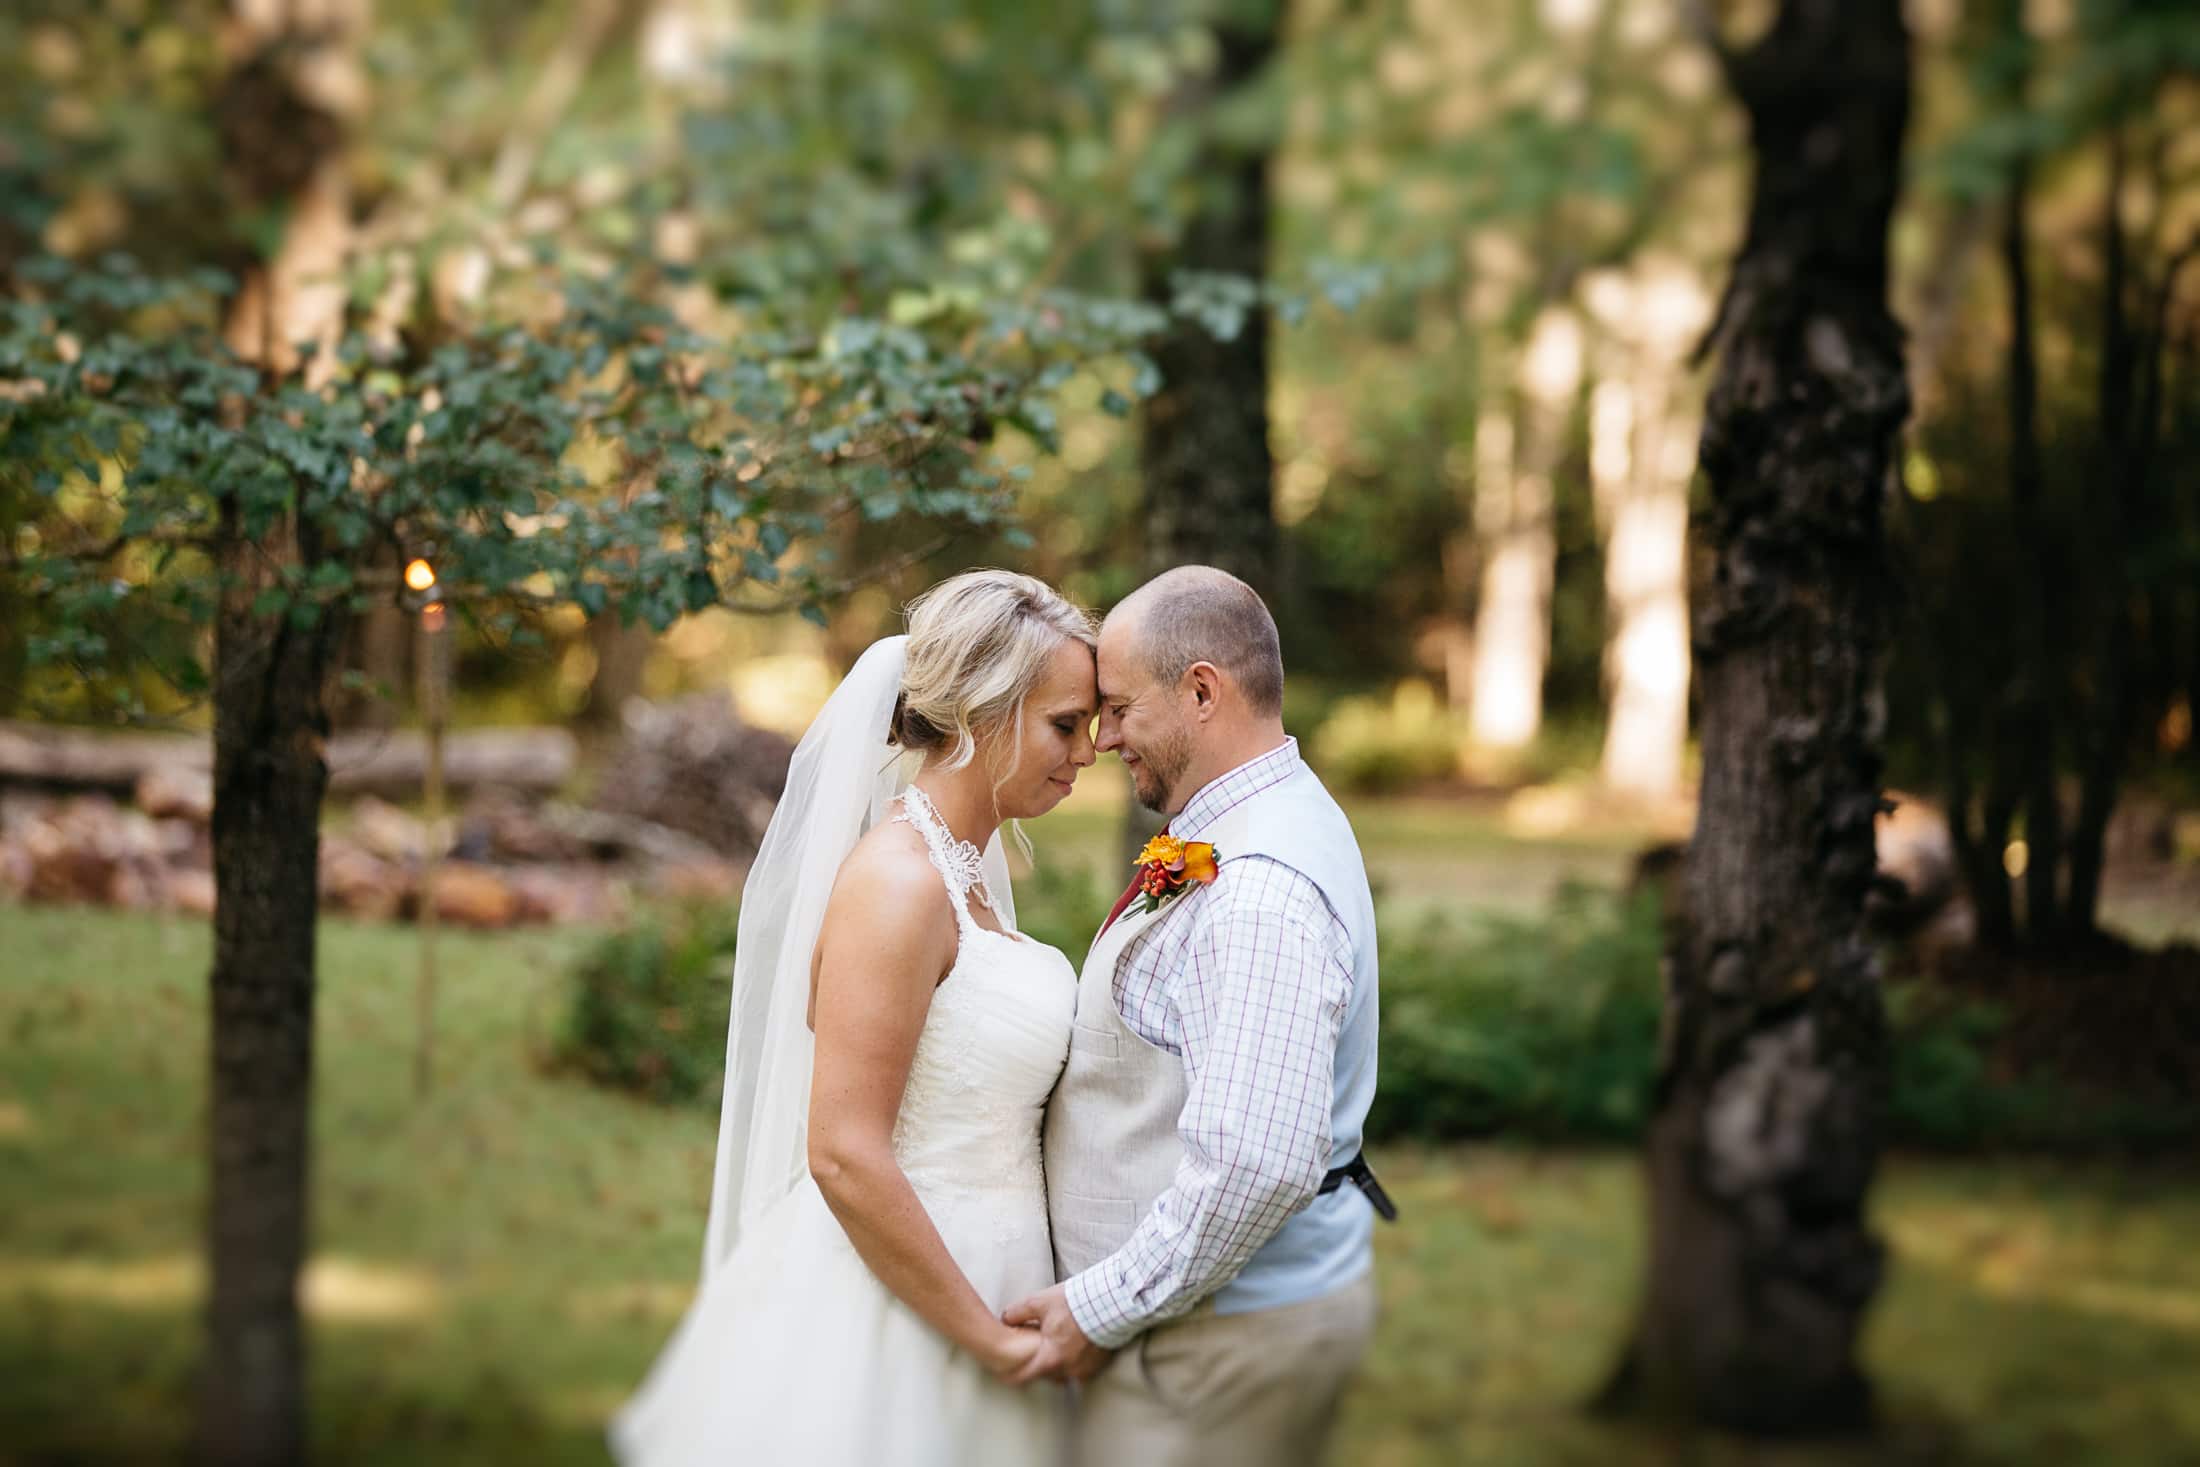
[{"x": 1197, "y": 613}]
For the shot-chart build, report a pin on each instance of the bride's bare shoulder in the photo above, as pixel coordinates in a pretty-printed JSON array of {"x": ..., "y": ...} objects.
[{"x": 888, "y": 881}]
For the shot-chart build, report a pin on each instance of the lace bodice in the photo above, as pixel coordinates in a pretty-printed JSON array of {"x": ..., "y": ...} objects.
[{"x": 991, "y": 1049}]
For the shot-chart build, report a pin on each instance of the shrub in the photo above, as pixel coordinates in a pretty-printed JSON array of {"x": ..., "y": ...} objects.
[
  {"x": 1948, "y": 1092},
  {"x": 1544, "y": 1028},
  {"x": 1063, "y": 904},
  {"x": 647, "y": 1007},
  {"x": 1370, "y": 745}
]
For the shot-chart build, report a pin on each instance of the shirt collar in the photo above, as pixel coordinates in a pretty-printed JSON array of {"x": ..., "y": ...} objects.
[{"x": 1218, "y": 796}]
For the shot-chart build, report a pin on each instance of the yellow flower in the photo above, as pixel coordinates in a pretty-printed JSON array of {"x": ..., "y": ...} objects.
[
  {"x": 1169, "y": 862},
  {"x": 1163, "y": 850}
]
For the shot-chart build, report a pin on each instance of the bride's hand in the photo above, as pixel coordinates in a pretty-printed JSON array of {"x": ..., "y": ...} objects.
[{"x": 1006, "y": 1354}]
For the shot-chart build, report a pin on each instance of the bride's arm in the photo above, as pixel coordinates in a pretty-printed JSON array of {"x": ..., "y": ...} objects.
[{"x": 889, "y": 935}]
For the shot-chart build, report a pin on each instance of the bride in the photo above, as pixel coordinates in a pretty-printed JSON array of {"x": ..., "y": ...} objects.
[{"x": 878, "y": 1198}]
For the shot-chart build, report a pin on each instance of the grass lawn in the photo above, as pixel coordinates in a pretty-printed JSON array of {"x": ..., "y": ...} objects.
[{"x": 496, "y": 1265}]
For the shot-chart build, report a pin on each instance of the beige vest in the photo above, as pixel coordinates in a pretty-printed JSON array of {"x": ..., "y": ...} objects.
[{"x": 1111, "y": 1145}]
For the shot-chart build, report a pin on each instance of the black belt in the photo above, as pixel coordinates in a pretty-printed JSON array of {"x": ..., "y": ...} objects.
[{"x": 1360, "y": 1175}]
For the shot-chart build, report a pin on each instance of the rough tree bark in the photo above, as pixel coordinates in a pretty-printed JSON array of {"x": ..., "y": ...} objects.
[
  {"x": 1512, "y": 512},
  {"x": 1207, "y": 472},
  {"x": 1767, "y": 1125},
  {"x": 1203, "y": 443},
  {"x": 293, "y": 82}
]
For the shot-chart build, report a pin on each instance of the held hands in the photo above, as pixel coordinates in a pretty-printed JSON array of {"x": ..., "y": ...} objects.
[
  {"x": 1063, "y": 1352},
  {"x": 1009, "y": 1353}
]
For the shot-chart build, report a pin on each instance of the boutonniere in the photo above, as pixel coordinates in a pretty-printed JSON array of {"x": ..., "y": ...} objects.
[{"x": 1168, "y": 865}]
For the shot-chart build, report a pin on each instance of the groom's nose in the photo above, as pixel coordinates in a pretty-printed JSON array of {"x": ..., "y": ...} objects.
[{"x": 1111, "y": 736}]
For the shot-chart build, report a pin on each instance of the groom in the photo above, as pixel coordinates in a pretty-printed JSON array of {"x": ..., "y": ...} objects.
[{"x": 1211, "y": 1214}]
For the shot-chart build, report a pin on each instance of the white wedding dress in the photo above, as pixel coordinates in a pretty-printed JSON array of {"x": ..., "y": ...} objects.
[{"x": 794, "y": 1352}]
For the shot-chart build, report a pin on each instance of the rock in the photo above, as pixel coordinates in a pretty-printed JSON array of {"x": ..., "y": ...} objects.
[
  {"x": 358, "y": 883},
  {"x": 171, "y": 791},
  {"x": 191, "y": 890},
  {"x": 467, "y": 895},
  {"x": 66, "y": 873},
  {"x": 388, "y": 832},
  {"x": 1917, "y": 865},
  {"x": 564, "y": 894},
  {"x": 702, "y": 881},
  {"x": 497, "y": 825},
  {"x": 695, "y": 767},
  {"x": 136, "y": 886}
]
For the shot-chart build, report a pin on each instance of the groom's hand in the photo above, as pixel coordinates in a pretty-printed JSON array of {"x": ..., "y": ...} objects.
[{"x": 1064, "y": 1352}]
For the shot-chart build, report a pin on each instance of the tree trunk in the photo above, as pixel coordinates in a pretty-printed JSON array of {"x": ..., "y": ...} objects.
[
  {"x": 1767, "y": 1125},
  {"x": 1203, "y": 452},
  {"x": 2038, "y": 694},
  {"x": 269, "y": 778},
  {"x": 622, "y": 655},
  {"x": 2122, "y": 454},
  {"x": 292, "y": 84},
  {"x": 1203, "y": 443},
  {"x": 1512, "y": 623},
  {"x": 379, "y": 649},
  {"x": 15, "y": 646},
  {"x": 1640, "y": 461}
]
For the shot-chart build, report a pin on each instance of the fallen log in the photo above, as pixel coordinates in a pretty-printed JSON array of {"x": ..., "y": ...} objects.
[{"x": 360, "y": 762}]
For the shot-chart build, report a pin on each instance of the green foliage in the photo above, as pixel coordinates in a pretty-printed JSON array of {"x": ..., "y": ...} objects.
[
  {"x": 1546, "y": 1029},
  {"x": 1373, "y": 746},
  {"x": 647, "y": 1007},
  {"x": 1948, "y": 1093},
  {"x": 1062, "y": 904},
  {"x": 1534, "y": 1028},
  {"x": 136, "y": 453}
]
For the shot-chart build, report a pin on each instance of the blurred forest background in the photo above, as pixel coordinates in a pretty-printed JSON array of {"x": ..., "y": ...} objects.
[{"x": 686, "y": 339}]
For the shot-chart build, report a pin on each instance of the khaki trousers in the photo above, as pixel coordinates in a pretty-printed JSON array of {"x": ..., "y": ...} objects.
[{"x": 1228, "y": 1390}]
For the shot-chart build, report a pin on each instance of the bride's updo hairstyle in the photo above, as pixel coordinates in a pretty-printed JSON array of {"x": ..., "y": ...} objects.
[{"x": 978, "y": 644}]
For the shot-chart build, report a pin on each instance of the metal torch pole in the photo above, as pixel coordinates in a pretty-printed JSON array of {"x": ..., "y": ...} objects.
[{"x": 434, "y": 691}]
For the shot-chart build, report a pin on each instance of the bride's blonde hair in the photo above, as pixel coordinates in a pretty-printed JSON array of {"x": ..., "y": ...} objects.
[{"x": 978, "y": 644}]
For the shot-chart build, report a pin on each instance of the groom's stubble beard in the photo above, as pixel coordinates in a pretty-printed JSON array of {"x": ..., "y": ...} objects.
[{"x": 1154, "y": 778}]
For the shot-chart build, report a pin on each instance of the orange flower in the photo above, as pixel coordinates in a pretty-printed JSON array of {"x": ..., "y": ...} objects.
[
  {"x": 1168, "y": 864},
  {"x": 1199, "y": 861}
]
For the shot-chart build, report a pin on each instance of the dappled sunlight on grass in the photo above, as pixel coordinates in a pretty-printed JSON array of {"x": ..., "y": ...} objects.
[
  {"x": 150, "y": 1283},
  {"x": 2024, "y": 1258},
  {"x": 346, "y": 1289},
  {"x": 651, "y": 1299}
]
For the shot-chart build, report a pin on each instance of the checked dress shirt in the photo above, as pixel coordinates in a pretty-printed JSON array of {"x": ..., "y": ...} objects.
[{"x": 1247, "y": 981}]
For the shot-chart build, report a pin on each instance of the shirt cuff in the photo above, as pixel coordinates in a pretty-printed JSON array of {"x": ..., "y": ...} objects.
[{"x": 1092, "y": 1304}]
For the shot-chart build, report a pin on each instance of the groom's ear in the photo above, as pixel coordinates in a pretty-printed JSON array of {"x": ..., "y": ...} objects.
[{"x": 1205, "y": 682}]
